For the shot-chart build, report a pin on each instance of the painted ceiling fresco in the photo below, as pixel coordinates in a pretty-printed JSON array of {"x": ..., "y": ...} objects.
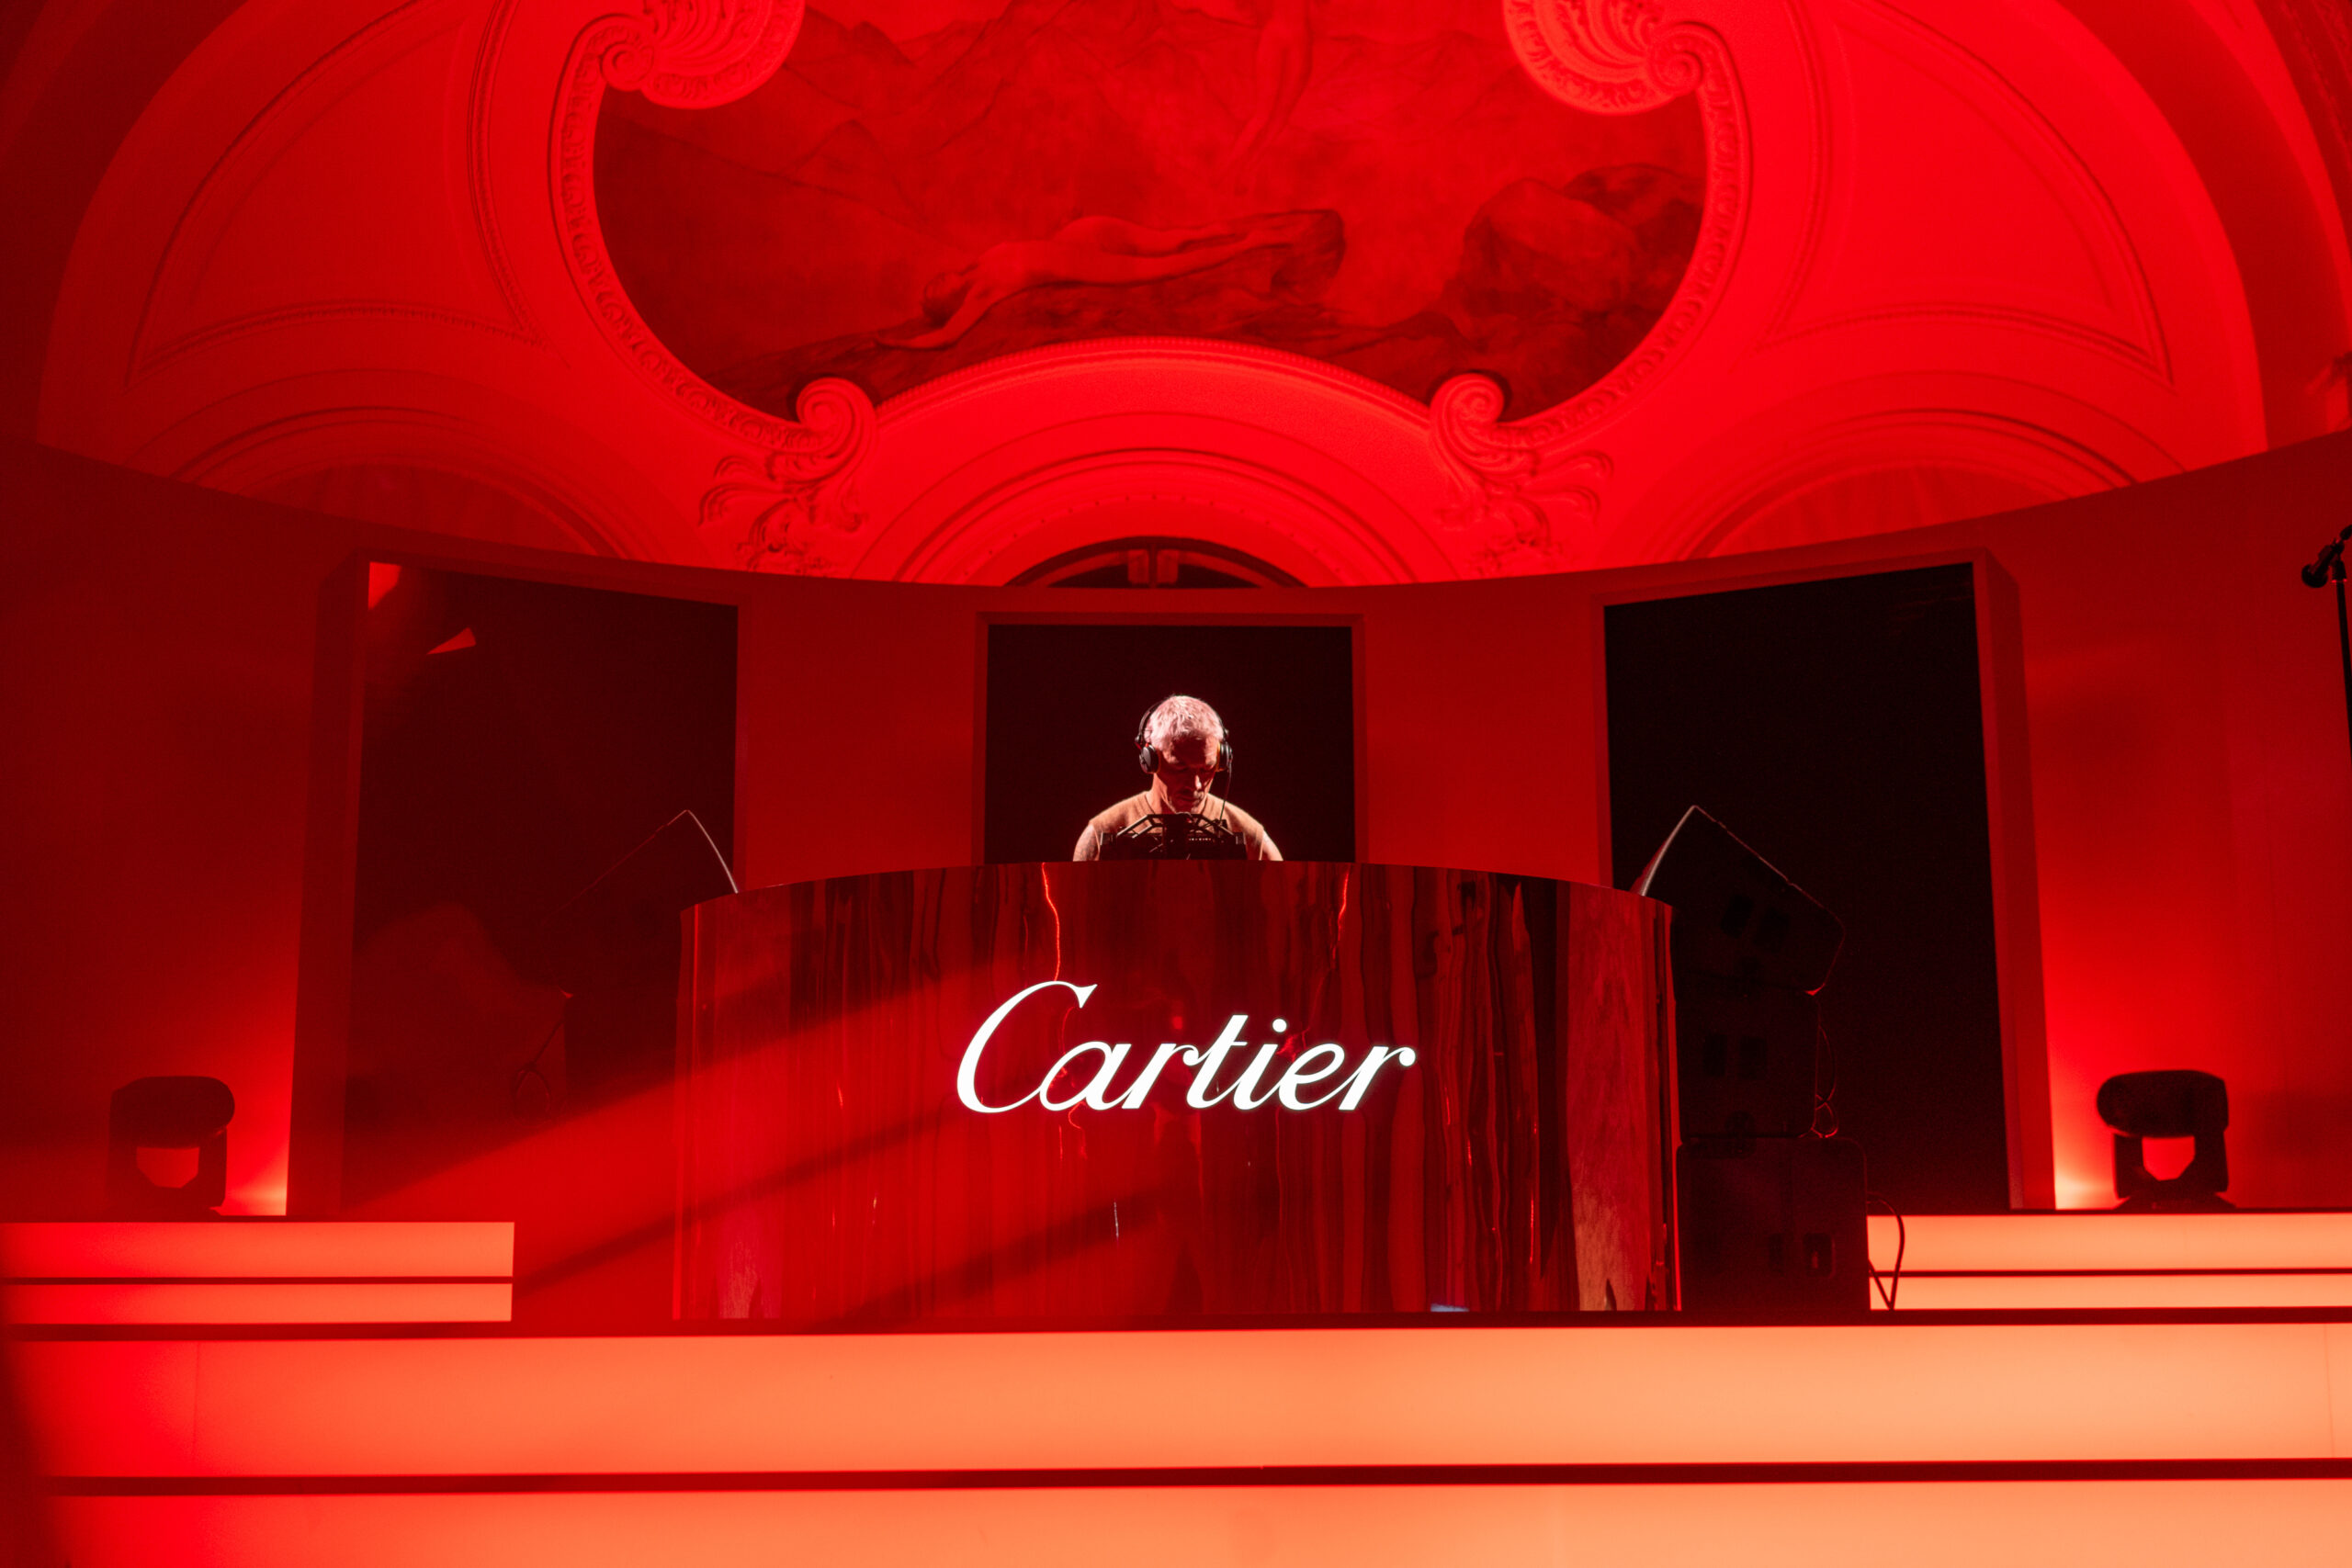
[{"x": 929, "y": 183}]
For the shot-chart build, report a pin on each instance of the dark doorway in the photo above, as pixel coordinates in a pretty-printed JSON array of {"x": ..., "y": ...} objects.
[
  {"x": 518, "y": 739},
  {"x": 1837, "y": 727},
  {"x": 1064, "y": 700}
]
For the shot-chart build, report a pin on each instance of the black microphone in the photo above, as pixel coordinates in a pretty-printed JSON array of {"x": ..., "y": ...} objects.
[{"x": 2316, "y": 574}]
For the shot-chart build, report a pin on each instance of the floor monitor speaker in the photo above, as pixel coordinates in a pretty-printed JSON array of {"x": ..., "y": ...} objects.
[{"x": 1736, "y": 916}]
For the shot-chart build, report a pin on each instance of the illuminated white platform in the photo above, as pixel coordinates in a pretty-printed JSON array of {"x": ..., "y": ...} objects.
[
  {"x": 2083, "y": 1524},
  {"x": 1888, "y": 1441},
  {"x": 1877, "y": 1394},
  {"x": 257, "y": 1272},
  {"x": 2068, "y": 1441},
  {"x": 2118, "y": 1262},
  {"x": 275, "y": 1271}
]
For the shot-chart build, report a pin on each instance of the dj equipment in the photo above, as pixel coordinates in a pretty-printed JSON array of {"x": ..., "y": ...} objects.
[
  {"x": 1148, "y": 755},
  {"x": 1175, "y": 834},
  {"x": 889, "y": 1121}
]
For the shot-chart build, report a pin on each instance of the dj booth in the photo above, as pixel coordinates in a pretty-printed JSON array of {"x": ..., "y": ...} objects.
[{"x": 1114, "y": 1093}]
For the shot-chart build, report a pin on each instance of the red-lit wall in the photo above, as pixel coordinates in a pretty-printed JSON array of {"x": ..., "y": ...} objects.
[
  {"x": 156, "y": 640},
  {"x": 2192, "y": 782},
  {"x": 155, "y": 671}
]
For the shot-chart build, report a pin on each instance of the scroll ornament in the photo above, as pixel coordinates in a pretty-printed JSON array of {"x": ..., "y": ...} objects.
[
  {"x": 1513, "y": 493},
  {"x": 793, "y": 507},
  {"x": 786, "y": 486},
  {"x": 696, "y": 53},
  {"x": 1608, "y": 56},
  {"x": 1520, "y": 486}
]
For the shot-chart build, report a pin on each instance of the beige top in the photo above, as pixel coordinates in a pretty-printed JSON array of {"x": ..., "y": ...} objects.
[{"x": 1124, "y": 814}]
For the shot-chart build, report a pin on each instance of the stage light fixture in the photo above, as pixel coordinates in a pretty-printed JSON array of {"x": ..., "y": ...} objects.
[
  {"x": 2175, "y": 1104},
  {"x": 182, "y": 1112}
]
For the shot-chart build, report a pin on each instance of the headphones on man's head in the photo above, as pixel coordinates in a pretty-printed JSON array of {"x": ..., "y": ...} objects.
[{"x": 1148, "y": 755}]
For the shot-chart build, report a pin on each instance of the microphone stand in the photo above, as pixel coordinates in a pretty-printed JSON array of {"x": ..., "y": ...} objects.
[{"x": 2329, "y": 567}]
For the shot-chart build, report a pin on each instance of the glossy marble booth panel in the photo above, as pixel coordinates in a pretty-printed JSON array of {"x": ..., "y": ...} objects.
[{"x": 833, "y": 1172}]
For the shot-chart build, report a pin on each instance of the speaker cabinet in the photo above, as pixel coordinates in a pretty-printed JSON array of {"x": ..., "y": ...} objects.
[
  {"x": 1744, "y": 1058},
  {"x": 1773, "y": 1227},
  {"x": 1734, "y": 914}
]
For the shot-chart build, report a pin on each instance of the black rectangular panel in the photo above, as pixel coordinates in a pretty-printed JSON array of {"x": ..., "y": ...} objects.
[{"x": 1835, "y": 727}]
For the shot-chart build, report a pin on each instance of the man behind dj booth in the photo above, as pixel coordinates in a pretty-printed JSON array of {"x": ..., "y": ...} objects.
[{"x": 1182, "y": 745}]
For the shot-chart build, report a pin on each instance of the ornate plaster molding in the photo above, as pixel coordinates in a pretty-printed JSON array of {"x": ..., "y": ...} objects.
[
  {"x": 251, "y": 140},
  {"x": 798, "y": 495},
  {"x": 1505, "y": 528},
  {"x": 794, "y": 472},
  {"x": 1306, "y": 457},
  {"x": 695, "y": 53},
  {"x": 1521, "y": 485},
  {"x": 1596, "y": 54}
]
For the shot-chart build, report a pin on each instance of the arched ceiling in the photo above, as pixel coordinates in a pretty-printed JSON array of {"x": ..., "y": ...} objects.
[{"x": 1954, "y": 255}]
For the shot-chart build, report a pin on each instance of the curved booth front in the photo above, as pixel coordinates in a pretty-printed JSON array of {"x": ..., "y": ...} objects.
[{"x": 1086, "y": 1093}]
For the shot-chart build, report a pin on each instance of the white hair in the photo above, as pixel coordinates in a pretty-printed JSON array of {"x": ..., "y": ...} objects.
[{"x": 1181, "y": 718}]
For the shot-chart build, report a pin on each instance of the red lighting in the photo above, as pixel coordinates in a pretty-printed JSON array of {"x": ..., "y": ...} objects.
[
  {"x": 275, "y": 1272},
  {"x": 2118, "y": 1292},
  {"x": 2115, "y": 1262},
  {"x": 257, "y": 1302},
  {"x": 2023, "y": 1524},
  {"x": 275, "y": 1250},
  {"x": 1888, "y": 1393},
  {"x": 2076, "y": 1243}
]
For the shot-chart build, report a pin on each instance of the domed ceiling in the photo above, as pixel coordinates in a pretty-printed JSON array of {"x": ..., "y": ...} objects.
[
  {"x": 1357, "y": 290},
  {"x": 1376, "y": 184}
]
